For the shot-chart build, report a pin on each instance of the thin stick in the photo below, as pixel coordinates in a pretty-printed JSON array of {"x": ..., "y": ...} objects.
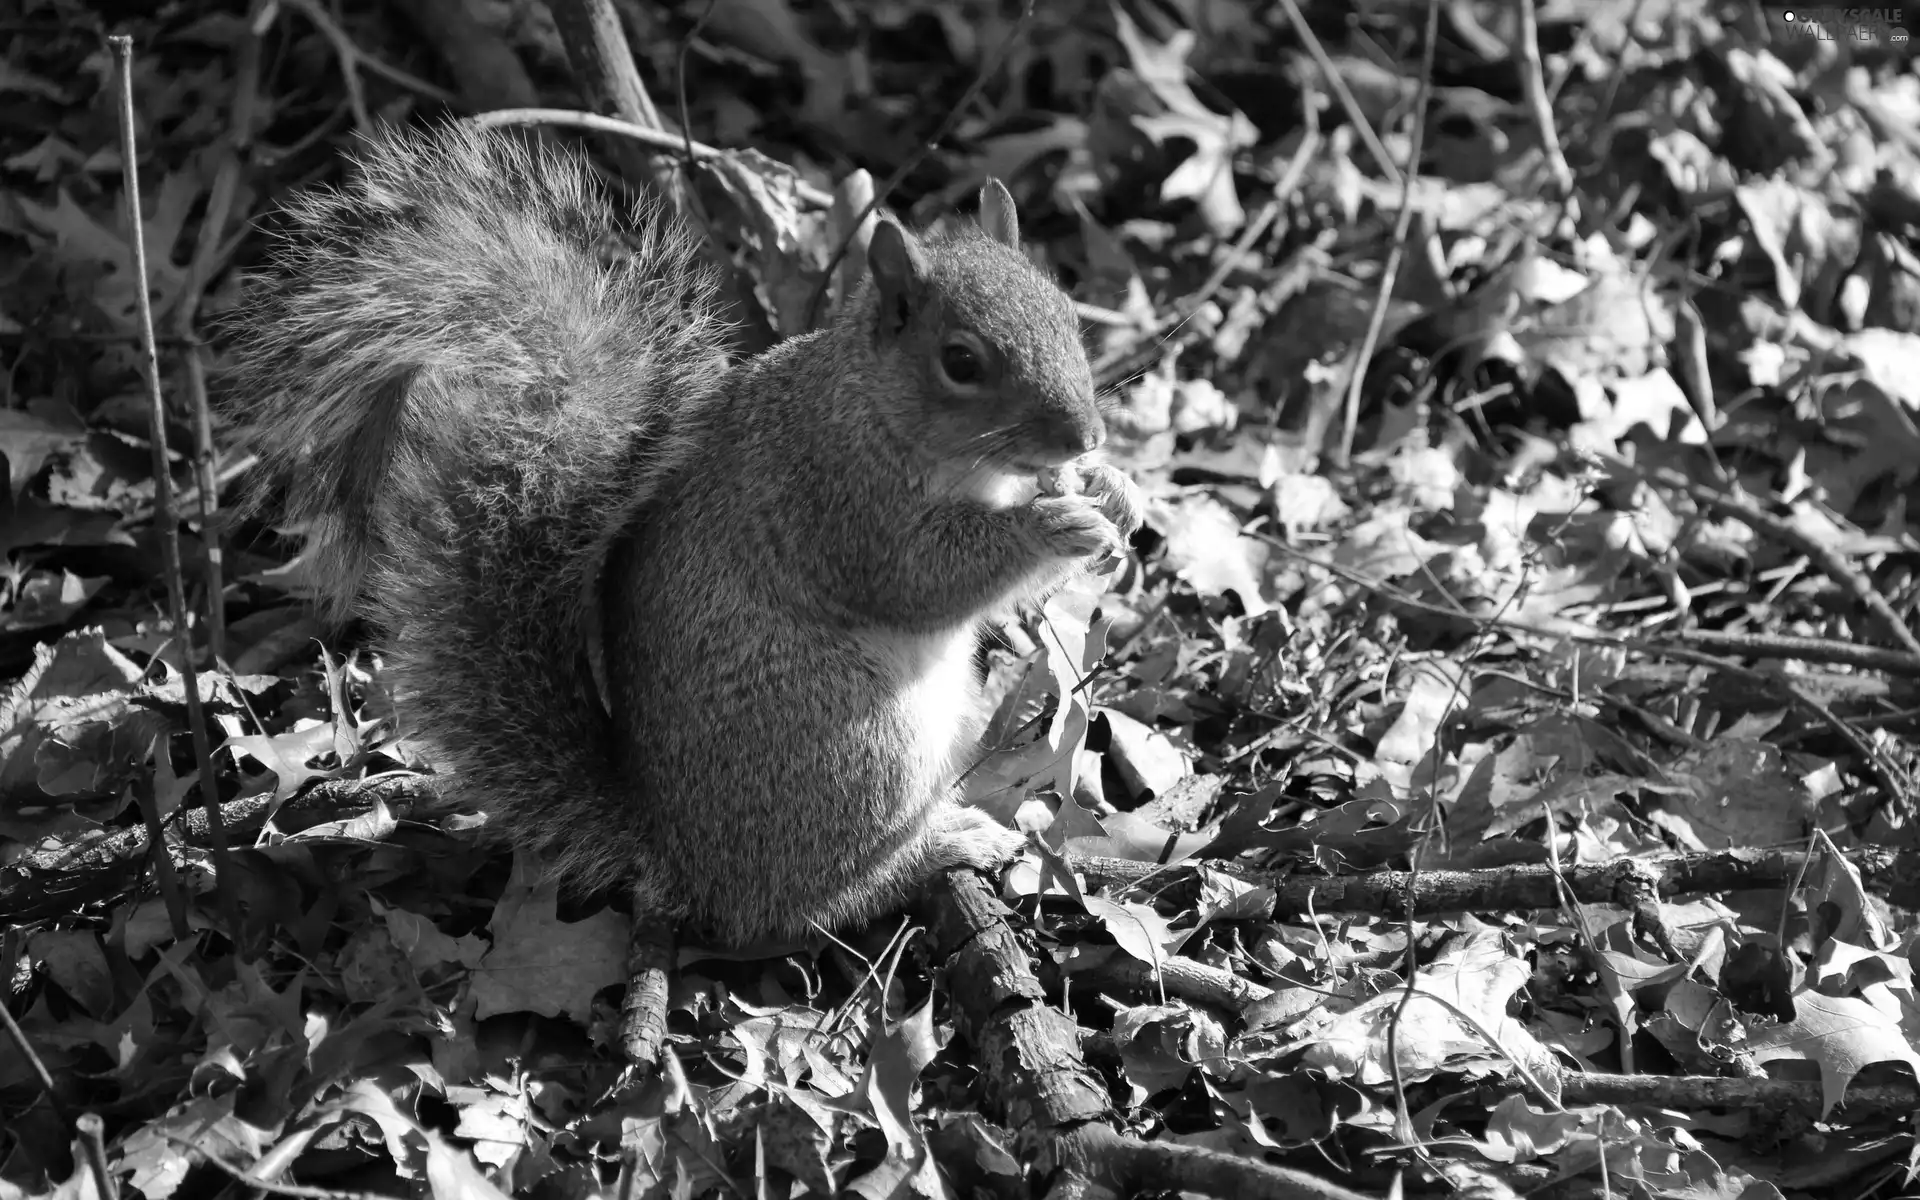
[
  {"x": 989, "y": 67},
  {"x": 206, "y": 485},
  {"x": 207, "y": 257},
  {"x": 1800, "y": 649},
  {"x": 93, "y": 1138},
  {"x": 659, "y": 140},
  {"x": 271, "y": 1186},
  {"x": 803, "y": 191},
  {"x": 25, "y": 1047},
  {"x": 352, "y": 58},
  {"x": 166, "y": 522},
  {"x": 163, "y": 872},
  {"x": 680, "y": 83},
  {"x": 1289, "y": 180},
  {"x": 1889, "y": 777},
  {"x": 1533, "y": 77},
  {"x": 1401, "y": 225},
  {"x": 1829, "y": 560},
  {"x": 1338, "y": 85}
]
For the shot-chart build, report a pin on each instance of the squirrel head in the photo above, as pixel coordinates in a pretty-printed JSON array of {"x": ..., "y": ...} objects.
[{"x": 978, "y": 354}]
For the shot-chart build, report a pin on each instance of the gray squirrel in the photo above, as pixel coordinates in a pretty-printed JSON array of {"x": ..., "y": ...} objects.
[{"x": 512, "y": 453}]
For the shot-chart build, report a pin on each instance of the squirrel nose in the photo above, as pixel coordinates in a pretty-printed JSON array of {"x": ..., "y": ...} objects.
[{"x": 1083, "y": 433}]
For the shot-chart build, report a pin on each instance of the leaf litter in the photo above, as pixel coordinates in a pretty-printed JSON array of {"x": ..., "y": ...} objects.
[{"x": 1524, "y": 800}]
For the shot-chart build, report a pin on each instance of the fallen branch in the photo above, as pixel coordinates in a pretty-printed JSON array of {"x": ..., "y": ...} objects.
[
  {"x": 1038, "y": 1084},
  {"x": 60, "y": 880},
  {"x": 643, "y": 1010},
  {"x": 1890, "y": 873},
  {"x": 1802, "y": 649},
  {"x": 1694, "y": 1093},
  {"x": 1192, "y": 981}
]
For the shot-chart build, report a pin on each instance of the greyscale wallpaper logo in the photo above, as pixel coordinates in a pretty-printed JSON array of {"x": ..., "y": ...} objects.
[{"x": 1888, "y": 26}]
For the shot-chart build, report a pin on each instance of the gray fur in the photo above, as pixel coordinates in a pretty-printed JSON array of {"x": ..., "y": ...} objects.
[
  {"x": 478, "y": 416},
  {"x": 997, "y": 214}
]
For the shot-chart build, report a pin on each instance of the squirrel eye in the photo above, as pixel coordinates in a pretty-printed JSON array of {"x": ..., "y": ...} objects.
[{"x": 960, "y": 364}]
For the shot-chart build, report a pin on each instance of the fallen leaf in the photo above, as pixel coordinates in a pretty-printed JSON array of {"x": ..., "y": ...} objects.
[{"x": 541, "y": 964}]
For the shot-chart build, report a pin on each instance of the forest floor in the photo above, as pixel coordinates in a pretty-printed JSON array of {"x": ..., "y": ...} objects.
[{"x": 1494, "y": 770}]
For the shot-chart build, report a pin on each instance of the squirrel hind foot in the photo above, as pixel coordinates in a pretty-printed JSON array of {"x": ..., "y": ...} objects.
[{"x": 967, "y": 837}]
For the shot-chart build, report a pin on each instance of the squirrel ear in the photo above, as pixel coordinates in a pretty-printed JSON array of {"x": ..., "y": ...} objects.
[
  {"x": 997, "y": 216},
  {"x": 899, "y": 269}
]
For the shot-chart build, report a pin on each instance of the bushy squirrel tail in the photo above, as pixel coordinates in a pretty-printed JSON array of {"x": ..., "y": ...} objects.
[{"x": 465, "y": 375}]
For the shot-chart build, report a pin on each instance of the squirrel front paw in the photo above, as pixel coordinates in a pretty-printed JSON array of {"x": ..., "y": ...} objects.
[
  {"x": 966, "y": 837},
  {"x": 1117, "y": 495},
  {"x": 1075, "y": 526}
]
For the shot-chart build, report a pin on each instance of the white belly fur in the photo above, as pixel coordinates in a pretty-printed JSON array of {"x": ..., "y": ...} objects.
[{"x": 935, "y": 698}]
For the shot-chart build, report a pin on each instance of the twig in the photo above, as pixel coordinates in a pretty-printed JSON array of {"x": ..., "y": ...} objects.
[
  {"x": 1297, "y": 166},
  {"x": 680, "y": 84},
  {"x": 352, "y": 58},
  {"x": 803, "y": 191},
  {"x": 1526, "y": 1074},
  {"x": 1338, "y": 84},
  {"x": 1694, "y": 1093},
  {"x": 1133, "y": 1167},
  {"x": 1036, "y": 1079},
  {"x": 659, "y": 140},
  {"x": 1759, "y": 520},
  {"x": 1527, "y": 885},
  {"x": 205, "y": 472},
  {"x": 1094, "y": 314},
  {"x": 20, "y": 1042},
  {"x": 1403, "y": 1127},
  {"x": 1122, "y": 367},
  {"x": 1256, "y": 228},
  {"x": 207, "y": 256},
  {"x": 487, "y": 71},
  {"x": 643, "y": 1010},
  {"x": 1182, "y": 977},
  {"x": 1801, "y": 649},
  {"x": 602, "y": 59},
  {"x": 166, "y": 522},
  {"x": 870, "y": 973},
  {"x": 989, "y": 67},
  {"x": 331, "y": 799},
  {"x": 301, "y": 1191},
  {"x": 1533, "y": 78},
  {"x": 38, "y": 893},
  {"x": 603, "y": 63},
  {"x": 93, "y": 1137},
  {"x": 1658, "y": 725},
  {"x": 14, "y": 337},
  {"x": 1891, "y": 780},
  {"x": 1402, "y": 223},
  {"x": 50, "y": 882},
  {"x": 164, "y": 874}
]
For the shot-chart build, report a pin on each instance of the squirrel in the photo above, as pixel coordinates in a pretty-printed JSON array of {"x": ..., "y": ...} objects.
[{"x": 502, "y": 406}]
